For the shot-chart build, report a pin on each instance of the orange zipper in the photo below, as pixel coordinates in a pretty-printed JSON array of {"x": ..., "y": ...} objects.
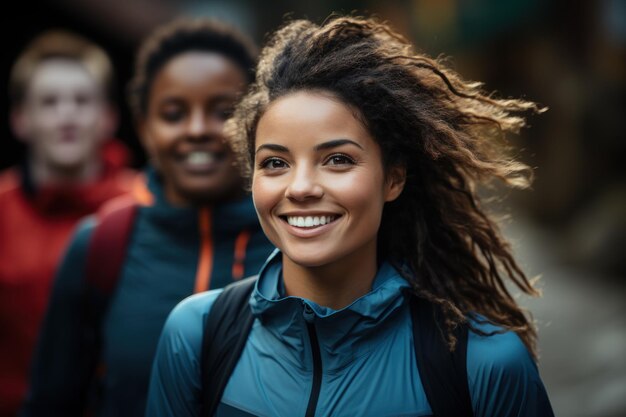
[
  {"x": 241, "y": 243},
  {"x": 205, "y": 261}
]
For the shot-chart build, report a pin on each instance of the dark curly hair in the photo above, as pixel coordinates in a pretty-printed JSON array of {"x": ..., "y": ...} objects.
[
  {"x": 446, "y": 133},
  {"x": 185, "y": 35}
]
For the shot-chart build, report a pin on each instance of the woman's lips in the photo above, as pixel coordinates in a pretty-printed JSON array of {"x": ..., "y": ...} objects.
[
  {"x": 308, "y": 226},
  {"x": 201, "y": 162},
  {"x": 310, "y": 221}
]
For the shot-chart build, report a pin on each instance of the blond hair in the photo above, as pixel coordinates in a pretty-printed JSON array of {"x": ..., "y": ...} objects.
[{"x": 59, "y": 44}]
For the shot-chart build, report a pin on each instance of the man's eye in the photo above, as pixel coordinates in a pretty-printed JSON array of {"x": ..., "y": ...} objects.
[
  {"x": 49, "y": 101},
  {"x": 82, "y": 99},
  {"x": 273, "y": 163},
  {"x": 340, "y": 159}
]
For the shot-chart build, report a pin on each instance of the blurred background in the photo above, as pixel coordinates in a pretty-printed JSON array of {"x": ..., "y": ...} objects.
[{"x": 568, "y": 55}]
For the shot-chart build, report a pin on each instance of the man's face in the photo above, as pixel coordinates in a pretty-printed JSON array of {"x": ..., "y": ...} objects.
[{"x": 64, "y": 116}]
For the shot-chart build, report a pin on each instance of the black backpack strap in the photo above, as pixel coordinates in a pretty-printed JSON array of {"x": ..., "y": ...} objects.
[
  {"x": 225, "y": 335},
  {"x": 443, "y": 373}
]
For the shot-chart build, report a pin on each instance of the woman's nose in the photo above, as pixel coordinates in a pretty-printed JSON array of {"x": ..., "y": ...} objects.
[
  {"x": 197, "y": 125},
  {"x": 202, "y": 125},
  {"x": 304, "y": 184}
]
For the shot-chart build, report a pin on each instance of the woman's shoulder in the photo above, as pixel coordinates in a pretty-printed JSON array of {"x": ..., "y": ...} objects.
[
  {"x": 497, "y": 350},
  {"x": 502, "y": 374},
  {"x": 180, "y": 344},
  {"x": 79, "y": 242},
  {"x": 194, "y": 309}
]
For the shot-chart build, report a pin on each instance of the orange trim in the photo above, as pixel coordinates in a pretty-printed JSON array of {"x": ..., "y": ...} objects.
[
  {"x": 140, "y": 191},
  {"x": 205, "y": 262},
  {"x": 115, "y": 204},
  {"x": 241, "y": 243}
]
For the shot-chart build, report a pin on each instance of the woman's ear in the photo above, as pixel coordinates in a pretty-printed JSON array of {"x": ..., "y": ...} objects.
[
  {"x": 144, "y": 134},
  {"x": 396, "y": 178},
  {"x": 141, "y": 127}
]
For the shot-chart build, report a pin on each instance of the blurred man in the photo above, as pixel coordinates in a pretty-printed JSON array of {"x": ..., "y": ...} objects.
[{"x": 60, "y": 109}]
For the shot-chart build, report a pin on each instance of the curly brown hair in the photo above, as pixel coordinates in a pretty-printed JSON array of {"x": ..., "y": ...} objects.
[
  {"x": 185, "y": 35},
  {"x": 448, "y": 135}
]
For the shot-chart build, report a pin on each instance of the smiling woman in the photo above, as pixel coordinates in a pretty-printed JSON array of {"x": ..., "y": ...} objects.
[
  {"x": 191, "y": 227},
  {"x": 387, "y": 296},
  {"x": 333, "y": 174},
  {"x": 192, "y": 96}
]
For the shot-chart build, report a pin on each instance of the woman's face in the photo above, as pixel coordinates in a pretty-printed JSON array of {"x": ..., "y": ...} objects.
[
  {"x": 191, "y": 97},
  {"x": 318, "y": 185}
]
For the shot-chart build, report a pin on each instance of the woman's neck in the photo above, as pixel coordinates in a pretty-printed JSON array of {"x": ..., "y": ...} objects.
[{"x": 334, "y": 285}]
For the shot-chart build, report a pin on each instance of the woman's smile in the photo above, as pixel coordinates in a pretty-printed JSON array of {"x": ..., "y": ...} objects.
[
  {"x": 309, "y": 225},
  {"x": 310, "y": 221},
  {"x": 202, "y": 162}
]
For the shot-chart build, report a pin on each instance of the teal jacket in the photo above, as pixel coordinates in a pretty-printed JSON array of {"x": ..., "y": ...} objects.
[
  {"x": 173, "y": 252},
  {"x": 368, "y": 362}
]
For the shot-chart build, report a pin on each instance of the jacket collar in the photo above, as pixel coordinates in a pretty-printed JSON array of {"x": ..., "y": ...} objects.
[
  {"x": 71, "y": 200},
  {"x": 232, "y": 216},
  {"x": 342, "y": 333}
]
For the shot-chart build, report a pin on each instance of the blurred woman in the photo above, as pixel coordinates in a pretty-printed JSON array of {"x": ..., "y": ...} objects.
[
  {"x": 193, "y": 228},
  {"x": 364, "y": 158}
]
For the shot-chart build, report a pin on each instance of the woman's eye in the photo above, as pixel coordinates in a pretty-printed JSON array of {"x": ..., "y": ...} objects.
[
  {"x": 172, "y": 115},
  {"x": 224, "y": 114},
  {"x": 273, "y": 163},
  {"x": 340, "y": 159}
]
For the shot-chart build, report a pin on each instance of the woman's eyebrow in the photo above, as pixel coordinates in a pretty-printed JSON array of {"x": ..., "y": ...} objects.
[
  {"x": 223, "y": 97},
  {"x": 319, "y": 147},
  {"x": 170, "y": 99},
  {"x": 272, "y": 147},
  {"x": 335, "y": 143}
]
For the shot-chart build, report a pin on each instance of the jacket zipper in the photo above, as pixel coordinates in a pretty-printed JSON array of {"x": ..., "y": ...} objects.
[
  {"x": 205, "y": 258},
  {"x": 317, "y": 371},
  {"x": 241, "y": 243}
]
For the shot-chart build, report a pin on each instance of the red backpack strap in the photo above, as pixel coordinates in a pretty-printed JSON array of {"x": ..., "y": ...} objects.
[
  {"x": 106, "y": 252},
  {"x": 108, "y": 246}
]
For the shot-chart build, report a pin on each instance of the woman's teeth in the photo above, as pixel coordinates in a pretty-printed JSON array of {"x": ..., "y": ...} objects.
[
  {"x": 309, "y": 221},
  {"x": 200, "y": 158}
]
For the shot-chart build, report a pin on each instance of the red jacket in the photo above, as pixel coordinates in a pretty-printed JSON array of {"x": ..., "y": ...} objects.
[{"x": 35, "y": 227}]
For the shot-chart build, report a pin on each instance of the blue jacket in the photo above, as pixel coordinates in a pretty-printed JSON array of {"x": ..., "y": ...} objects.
[
  {"x": 367, "y": 356},
  {"x": 173, "y": 252}
]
